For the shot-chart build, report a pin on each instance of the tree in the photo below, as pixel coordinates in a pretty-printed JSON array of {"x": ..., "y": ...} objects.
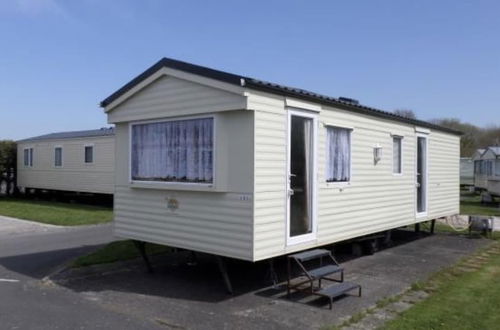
[
  {"x": 474, "y": 137},
  {"x": 407, "y": 113},
  {"x": 8, "y": 165}
]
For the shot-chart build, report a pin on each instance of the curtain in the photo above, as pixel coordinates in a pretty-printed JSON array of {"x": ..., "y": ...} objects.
[
  {"x": 396, "y": 154},
  {"x": 338, "y": 162},
  {"x": 180, "y": 151}
]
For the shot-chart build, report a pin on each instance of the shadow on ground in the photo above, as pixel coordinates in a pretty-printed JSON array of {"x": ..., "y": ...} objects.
[{"x": 175, "y": 276}]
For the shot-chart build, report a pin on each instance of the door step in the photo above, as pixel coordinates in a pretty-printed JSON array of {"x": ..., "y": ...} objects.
[
  {"x": 338, "y": 290},
  {"x": 327, "y": 266}
]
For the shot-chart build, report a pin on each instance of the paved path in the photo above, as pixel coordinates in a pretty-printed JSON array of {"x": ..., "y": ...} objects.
[
  {"x": 193, "y": 297},
  {"x": 181, "y": 296},
  {"x": 28, "y": 252}
]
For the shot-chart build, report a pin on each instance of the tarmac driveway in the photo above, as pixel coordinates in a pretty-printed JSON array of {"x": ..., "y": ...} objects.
[
  {"x": 30, "y": 251},
  {"x": 183, "y": 296}
]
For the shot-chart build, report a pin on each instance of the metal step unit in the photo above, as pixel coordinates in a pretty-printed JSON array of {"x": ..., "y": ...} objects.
[{"x": 326, "y": 267}]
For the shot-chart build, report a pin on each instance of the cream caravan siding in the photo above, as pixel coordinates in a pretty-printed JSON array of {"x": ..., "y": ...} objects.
[
  {"x": 170, "y": 96},
  {"x": 270, "y": 168},
  {"x": 374, "y": 200},
  {"x": 444, "y": 174},
  {"x": 217, "y": 221},
  {"x": 75, "y": 174}
]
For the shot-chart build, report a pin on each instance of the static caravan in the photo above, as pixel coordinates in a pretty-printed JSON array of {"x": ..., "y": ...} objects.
[
  {"x": 82, "y": 161},
  {"x": 480, "y": 170},
  {"x": 492, "y": 156},
  {"x": 466, "y": 171},
  {"x": 233, "y": 166}
]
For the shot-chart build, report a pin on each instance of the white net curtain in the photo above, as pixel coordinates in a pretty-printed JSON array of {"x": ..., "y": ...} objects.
[
  {"x": 173, "y": 151},
  {"x": 338, "y": 156}
]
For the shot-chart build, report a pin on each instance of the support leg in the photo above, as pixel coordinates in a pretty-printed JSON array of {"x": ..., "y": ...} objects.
[
  {"x": 272, "y": 274},
  {"x": 289, "y": 275},
  {"x": 417, "y": 228},
  {"x": 141, "y": 246},
  {"x": 433, "y": 225},
  {"x": 225, "y": 276}
]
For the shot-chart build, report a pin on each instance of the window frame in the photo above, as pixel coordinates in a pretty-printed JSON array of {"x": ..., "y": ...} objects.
[
  {"x": 31, "y": 153},
  {"x": 174, "y": 184},
  {"x": 85, "y": 146},
  {"x": 400, "y": 138},
  {"x": 62, "y": 153},
  {"x": 335, "y": 184}
]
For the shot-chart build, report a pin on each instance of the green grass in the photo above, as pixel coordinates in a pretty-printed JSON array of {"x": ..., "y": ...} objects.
[
  {"x": 117, "y": 251},
  {"x": 465, "y": 296},
  {"x": 471, "y": 204},
  {"x": 55, "y": 213}
]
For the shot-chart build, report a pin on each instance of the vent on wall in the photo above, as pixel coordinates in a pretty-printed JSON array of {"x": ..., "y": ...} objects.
[{"x": 348, "y": 100}]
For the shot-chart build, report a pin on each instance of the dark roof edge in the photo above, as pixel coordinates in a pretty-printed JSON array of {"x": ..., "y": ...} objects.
[
  {"x": 52, "y": 136},
  {"x": 351, "y": 107},
  {"x": 267, "y": 87},
  {"x": 177, "y": 65}
]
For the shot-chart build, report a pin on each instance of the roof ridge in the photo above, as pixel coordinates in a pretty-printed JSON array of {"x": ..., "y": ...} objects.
[{"x": 263, "y": 85}]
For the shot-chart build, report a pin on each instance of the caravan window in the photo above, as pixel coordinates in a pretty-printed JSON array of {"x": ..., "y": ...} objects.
[
  {"x": 338, "y": 154},
  {"x": 89, "y": 154},
  {"x": 173, "y": 151},
  {"x": 58, "y": 156},
  {"x": 28, "y": 157},
  {"x": 397, "y": 164},
  {"x": 497, "y": 167}
]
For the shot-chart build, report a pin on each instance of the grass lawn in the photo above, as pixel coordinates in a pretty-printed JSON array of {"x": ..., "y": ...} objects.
[
  {"x": 55, "y": 213},
  {"x": 470, "y": 204},
  {"x": 117, "y": 251},
  {"x": 465, "y": 296}
]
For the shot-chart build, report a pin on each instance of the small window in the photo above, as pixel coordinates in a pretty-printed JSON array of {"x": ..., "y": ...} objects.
[
  {"x": 397, "y": 163},
  {"x": 338, "y": 154},
  {"x": 28, "y": 157},
  {"x": 173, "y": 151},
  {"x": 89, "y": 154},
  {"x": 58, "y": 156}
]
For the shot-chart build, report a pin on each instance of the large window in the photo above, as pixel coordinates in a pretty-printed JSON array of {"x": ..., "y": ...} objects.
[
  {"x": 89, "y": 154},
  {"x": 58, "y": 156},
  {"x": 338, "y": 154},
  {"x": 173, "y": 151},
  {"x": 28, "y": 157},
  {"x": 397, "y": 159}
]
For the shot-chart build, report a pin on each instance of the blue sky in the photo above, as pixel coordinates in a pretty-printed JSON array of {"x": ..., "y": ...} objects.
[{"x": 59, "y": 59}]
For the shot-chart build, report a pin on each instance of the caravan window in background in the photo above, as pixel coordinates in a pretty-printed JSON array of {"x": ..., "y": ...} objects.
[
  {"x": 58, "y": 156},
  {"x": 89, "y": 154},
  {"x": 173, "y": 151},
  {"x": 28, "y": 157},
  {"x": 338, "y": 154}
]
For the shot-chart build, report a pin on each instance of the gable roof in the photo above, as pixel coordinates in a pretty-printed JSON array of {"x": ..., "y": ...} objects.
[
  {"x": 495, "y": 150},
  {"x": 105, "y": 131},
  {"x": 269, "y": 87}
]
